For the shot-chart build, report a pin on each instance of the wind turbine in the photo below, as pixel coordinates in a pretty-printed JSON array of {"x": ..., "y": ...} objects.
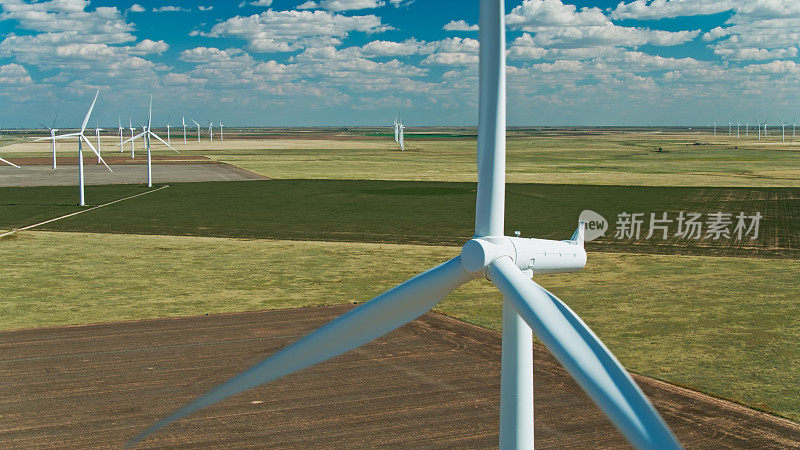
[
  {"x": 81, "y": 139},
  {"x": 729, "y": 128},
  {"x": 737, "y": 129},
  {"x": 183, "y": 121},
  {"x": 198, "y": 130},
  {"x": 97, "y": 131},
  {"x": 210, "y": 131},
  {"x": 747, "y": 129},
  {"x": 509, "y": 262},
  {"x": 794, "y": 125},
  {"x": 119, "y": 123},
  {"x": 52, "y": 136},
  {"x": 221, "y": 138},
  {"x": 402, "y": 129},
  {"x": 783, "y": 130},
  {"x": 168, "y": 127},
  {"x": 758, "y": 125},
  {"x": 130, "y": 127},
  {"x": 715, "y": 128},
  {"x": 396, "y": 130},
  {"x": 146, "y": 134}
]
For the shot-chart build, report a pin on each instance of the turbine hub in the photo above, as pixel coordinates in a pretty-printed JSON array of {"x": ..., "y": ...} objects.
[{"x": 478, "y": 253}]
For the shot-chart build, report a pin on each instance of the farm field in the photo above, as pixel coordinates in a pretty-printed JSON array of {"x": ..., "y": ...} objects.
[
  {"x": 409, "y": 212},
  {"x": 553, "y": 157},
  {"x": 660, "y": 314}
]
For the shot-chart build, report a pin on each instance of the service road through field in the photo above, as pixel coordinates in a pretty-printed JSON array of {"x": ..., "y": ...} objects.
[{"x": 434, "y": 382}]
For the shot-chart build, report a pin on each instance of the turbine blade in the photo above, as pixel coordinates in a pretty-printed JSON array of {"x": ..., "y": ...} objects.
[
  {"x": 54, "y": 121},
  {"x": 373, "y": 319},
  {"x": 9, "y": 163},
  {"x": 89, "y": 113},
  {"x": 60, "y": 136},
  {"x": 489, "y": 206},
  {"x": 96, "y": 152},
  {"x": 162, "y": 141},
  {"x": 131, "y": 139},
  {"x": 585, "y": 357}
]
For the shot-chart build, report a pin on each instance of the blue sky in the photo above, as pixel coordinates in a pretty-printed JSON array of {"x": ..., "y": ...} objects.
[{"x": 360, "y": 62}]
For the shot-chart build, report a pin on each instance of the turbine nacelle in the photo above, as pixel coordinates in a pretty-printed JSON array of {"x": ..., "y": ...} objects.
[{"x": 533, "y": 256}]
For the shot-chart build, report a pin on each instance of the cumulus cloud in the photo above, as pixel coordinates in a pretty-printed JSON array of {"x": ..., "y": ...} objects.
[
  {"x": 285, "y": 31},
  {"x": 388, "y": 48},
  {"x": 662, "y": 9},
  {"x": 459, "y": 25},
  {"x": 14, "y": 75},
  {"x": 136, "y": 8},
  {"x": 169, "y": 8}
]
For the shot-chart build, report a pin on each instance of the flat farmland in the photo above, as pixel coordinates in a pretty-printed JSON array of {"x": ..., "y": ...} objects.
[{"x": 412, "y": 212}]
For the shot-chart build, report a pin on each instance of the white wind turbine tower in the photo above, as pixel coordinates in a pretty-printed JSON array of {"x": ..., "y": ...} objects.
[
  {"x": 758, "y": 125},
  {"x": 119, "y": 123},
  {"x": 97, "y": 131},
  {"x": 402, "y": 129},
  {"x": 133, "y": 142},
  {"x": 221, "y": 137},
  {"x": 81, "y": 139},
  {"x": 747, "y": 129},
  {"x": 53, "y": 131},
  {"x": 169, "y": 141},
  {"x": 396, "y": 130},
  {"x": 183, "y": 122},
  {"x": 198, "y": 130},
  {"x": 210, "y": 131},
  {"x": 715, "y": 128},
  {"x": 783, "y": 130},
  {"x": 146, "y": 134},
  {"x": 509, "y": 262},
  {"x": 737, "y": 129},
  {"x": 729, "y": 128}
]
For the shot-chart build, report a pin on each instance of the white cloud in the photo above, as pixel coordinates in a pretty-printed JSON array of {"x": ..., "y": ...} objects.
[
  {"x": 205, "y": 8},
  {"x": 285, "y": 31},
  {"x": 264, "y": 3},
  {"x": 14, "y": 75},
  {"x": 388, "y": 48},
  {"x": 308, "y": 5},
  {"x": 459, "y": 25},
  {"x": 169, "y": 8},
  {"x": 350, "y": 5},
  {"x": 136, "y": 8},
  {"x": 661, "y": 9}
]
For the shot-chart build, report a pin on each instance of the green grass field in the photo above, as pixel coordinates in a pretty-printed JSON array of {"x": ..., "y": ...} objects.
[
  {"x": 404, "y": 212},
  {"x": 660, "y": 314}
]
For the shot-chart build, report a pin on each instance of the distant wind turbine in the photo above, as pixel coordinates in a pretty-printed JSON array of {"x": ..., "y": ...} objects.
[
  {"x": 729, "y": 128},
  {"x": 715, "y": 128},
  {"x": 52, "y": 136},
  {"x": 737, "y": 129},
  {"x": 221, "y": 138},
  {"x": 210, "y": 131},
  {"x": 402, "y": 142},
  {"x": 119, "y": 123},
  {"x": 198, "y": 130},
  {"x": 168, "y": 127},
  {"x": 783, "y": 130},
  {"x": 81, "y": 139},
  {"x": 396, "y": 130},
  {"x": 130, "y": 127},
  {"x": 758, "y": 125},
  {"x": 183, "y": 122},
  {"x": 146, "y": 134},
  {"x": 97, "y": 131}
]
